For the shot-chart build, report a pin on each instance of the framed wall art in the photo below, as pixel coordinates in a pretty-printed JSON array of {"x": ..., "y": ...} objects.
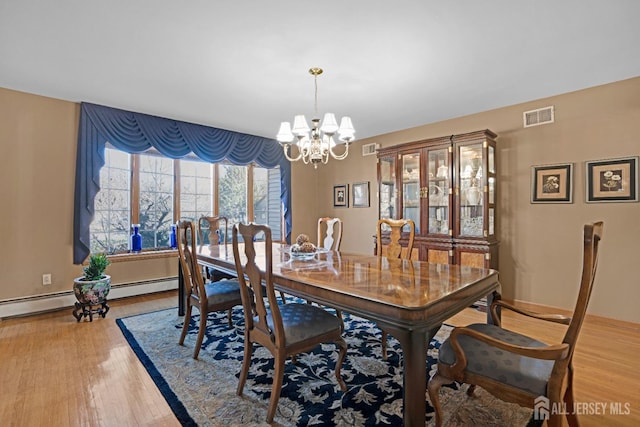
[
  {"x": 341, "y": 196},
  {"x": 552, "y": 183},
  {"x": 360, "y": 194},
  {"x": 612, "y": 180}
]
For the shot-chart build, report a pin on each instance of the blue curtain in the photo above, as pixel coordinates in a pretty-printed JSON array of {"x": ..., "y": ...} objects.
[{"x": 136, "y": 133}]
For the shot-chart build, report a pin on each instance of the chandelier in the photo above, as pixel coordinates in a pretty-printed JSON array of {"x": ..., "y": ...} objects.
[{"x": 316, "y": 145}]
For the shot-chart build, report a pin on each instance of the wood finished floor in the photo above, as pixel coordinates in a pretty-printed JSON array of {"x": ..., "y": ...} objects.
[{"x": 57, "y": 372}]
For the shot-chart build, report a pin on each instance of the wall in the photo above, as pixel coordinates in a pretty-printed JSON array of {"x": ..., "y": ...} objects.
[
  {"x": 541, "y": 246},
  {"x": 38, "y": 145}
]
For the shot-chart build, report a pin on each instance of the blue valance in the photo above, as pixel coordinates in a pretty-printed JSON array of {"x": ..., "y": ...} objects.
[{"x": 136, "y": 133}]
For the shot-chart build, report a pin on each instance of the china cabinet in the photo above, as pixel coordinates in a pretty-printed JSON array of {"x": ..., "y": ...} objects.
[{"x": 447, "y": 186}]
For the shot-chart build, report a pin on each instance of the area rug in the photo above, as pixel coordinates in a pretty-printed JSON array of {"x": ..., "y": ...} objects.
[{"x": 203, "y": 392}]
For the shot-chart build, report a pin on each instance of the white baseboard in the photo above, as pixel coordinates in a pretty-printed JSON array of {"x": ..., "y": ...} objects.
[{"x": 55, "y": 301}]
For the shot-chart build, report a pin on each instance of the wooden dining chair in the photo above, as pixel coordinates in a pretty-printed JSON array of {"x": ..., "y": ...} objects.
[
  {"x": 515, "y": 367},
  {"x": 329, "y": 233},
  {"x": 213, "y": 231},
  {"x": 393, "y": 249},
  {"x": 209, "y": 297},
  {"x": 284, "y": 330}
]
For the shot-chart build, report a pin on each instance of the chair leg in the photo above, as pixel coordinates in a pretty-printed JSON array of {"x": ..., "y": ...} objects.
[
  {"x": 342, "y": 345},
  {"x": 276, "y": 387},
  {"x": 185, "y": 326},
  {"x": 572, "y": 418},
  {"x": 384, "y": 344},
  {"x": 246, "y": 363},
  {"x": 283, "y": 297},
  {"x": 229, "y": 316},
  {"x": 433, "y": 387},
  {"x": 471, "y": 389},
  {"x": 339, "y": 316},
  {"x": 202, "y": 329}
]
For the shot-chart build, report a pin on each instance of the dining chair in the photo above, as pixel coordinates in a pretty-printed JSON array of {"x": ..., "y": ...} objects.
[
  {"x": 213, "y": 230},
  {"x": 206, "y": 297},
  {"x": 393, "y": 249},
  {"x": 329, "y": 233},
  {"x": 285, "y": 330},
  {"x": 514, "y": 367}
]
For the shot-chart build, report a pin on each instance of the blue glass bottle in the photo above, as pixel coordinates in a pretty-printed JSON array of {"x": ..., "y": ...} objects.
[
  {"x": 136, "y": 239},
  {"x": 173, "y": 241}
]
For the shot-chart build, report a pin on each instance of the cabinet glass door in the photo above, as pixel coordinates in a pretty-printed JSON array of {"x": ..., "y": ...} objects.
[
  {"x": 411, "y": 188},
  {"x": 387, "y": 187},
  {"x": 471, "y": 190},
  {"x": 438, "y": 177}
]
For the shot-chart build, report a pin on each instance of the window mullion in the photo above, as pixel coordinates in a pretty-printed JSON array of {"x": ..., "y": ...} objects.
[
  {"x": 250, "y": 215},
  {"x": 135, "y": 189},
  {"x": 176, "y": 190}
]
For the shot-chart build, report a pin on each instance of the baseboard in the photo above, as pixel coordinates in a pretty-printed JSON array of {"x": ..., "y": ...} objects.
[{"x": 55, "y": 301}]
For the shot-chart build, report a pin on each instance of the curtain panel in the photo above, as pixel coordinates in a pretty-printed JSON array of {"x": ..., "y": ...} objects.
[{"x": 137, "y": 132}]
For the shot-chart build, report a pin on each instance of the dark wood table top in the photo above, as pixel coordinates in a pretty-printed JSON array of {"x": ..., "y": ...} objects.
[{"x": 410, "y": 299}]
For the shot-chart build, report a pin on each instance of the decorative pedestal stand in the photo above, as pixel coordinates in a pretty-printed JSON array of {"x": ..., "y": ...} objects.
[{"x": 84, "y": 310}]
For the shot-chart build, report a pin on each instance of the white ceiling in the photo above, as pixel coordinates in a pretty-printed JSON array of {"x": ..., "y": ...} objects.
[{"x": 243, "y": 64}]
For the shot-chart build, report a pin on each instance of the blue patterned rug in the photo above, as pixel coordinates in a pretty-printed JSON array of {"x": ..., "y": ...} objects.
[{"x": 202, "y": 392}]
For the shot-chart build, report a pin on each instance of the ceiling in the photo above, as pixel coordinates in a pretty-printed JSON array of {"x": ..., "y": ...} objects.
[{"x": 243, "y": 65}]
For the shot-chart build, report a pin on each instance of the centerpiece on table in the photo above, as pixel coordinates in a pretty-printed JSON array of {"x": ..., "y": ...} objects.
[{"x": 92, "y": 288}]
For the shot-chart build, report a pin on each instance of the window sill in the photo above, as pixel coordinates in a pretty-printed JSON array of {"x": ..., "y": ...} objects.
[{"x": 166, "y": 253}]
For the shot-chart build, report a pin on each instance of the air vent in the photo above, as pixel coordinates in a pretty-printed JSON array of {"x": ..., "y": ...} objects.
[
  {"x": 541, "y": 116},
  {"x": 369, "y": 149}
]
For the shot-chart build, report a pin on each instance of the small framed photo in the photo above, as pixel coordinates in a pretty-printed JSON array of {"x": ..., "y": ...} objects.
[
  {"x": 341, "y": 195},
  {"x": 552, "y": 183},
  {"x": 612, "y": 180},
  {"x": 361, "y": 194}
]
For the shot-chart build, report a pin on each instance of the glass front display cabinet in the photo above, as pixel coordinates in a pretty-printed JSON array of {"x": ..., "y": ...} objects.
[{"x": 447, "y": 186}]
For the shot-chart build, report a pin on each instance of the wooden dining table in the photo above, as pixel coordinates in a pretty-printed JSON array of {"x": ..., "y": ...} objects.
[{"x": 409, "y": 299}]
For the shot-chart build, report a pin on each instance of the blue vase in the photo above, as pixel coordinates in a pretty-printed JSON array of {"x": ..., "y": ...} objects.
[
  {"x": 136, "y": 239},
  {"x": 173, "y": 240}
]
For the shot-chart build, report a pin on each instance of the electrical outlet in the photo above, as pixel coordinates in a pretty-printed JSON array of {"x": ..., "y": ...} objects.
[{"x": 46, "y": 279}]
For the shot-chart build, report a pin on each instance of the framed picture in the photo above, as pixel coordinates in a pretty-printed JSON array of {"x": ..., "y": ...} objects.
[
  {"x": 361, "y": 194},
  {"x": 552, "y": 183},
  {"x": 613, "y": 180},
  {"x": 341, "y": 195}
]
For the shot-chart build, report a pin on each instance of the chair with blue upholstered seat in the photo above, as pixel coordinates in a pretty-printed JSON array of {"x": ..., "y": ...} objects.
[
  {"x": 514, "y": 367},
  {"x": 284, "y": 330},
  {"x": 209, "y": 297}
]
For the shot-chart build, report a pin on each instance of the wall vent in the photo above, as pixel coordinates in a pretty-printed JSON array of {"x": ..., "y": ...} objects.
[
  {"x": 541, "y": 116},
  {"x": 369, "y": 149}
]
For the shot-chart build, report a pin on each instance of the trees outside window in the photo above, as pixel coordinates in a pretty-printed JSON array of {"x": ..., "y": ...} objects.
[{"x": 154, "y": 191}]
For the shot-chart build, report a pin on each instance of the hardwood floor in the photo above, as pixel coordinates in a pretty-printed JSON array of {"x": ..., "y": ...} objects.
[{"x": 55, "y": 371}]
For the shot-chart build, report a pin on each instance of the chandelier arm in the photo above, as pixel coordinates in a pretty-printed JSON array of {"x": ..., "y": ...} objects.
[
  {"x": 287, "y": 148},
  {"x": 340, "y": 156}
]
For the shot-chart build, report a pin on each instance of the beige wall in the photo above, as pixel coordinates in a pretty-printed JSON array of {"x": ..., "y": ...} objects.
[
  {"x": 38, "y": 146},
  {"x": 540, "y": 249},
  {"x": 540, "y": 244}
]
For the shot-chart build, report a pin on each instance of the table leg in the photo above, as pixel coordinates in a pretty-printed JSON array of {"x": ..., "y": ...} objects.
[{"x": 493, "y": 296}]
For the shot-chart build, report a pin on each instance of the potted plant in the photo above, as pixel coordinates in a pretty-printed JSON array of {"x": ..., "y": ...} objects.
[{"x": 92, "y": 288}]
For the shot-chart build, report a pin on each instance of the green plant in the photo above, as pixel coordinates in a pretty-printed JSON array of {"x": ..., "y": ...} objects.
[{"x": 97, "y": 264}]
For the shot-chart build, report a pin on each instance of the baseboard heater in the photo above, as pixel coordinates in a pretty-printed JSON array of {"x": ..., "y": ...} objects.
[{"x": 55, "y": 301}]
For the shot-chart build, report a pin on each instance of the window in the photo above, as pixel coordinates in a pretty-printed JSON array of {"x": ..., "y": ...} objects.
[
  {"x": 196, "y": 189},
  {"x": 110, "y": 227},
  {"x": 156, "y": 200},
  {"x": 141, "y": 189}
]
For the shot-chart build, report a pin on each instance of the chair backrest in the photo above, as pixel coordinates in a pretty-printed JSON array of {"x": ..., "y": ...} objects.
[
  {"x": 393, "y": 248},
  {"x": 329, "y": 233},
  {"x": 592, "y": 236},
  {"x": 212, "y": 226},
  {"x": 186, "y": 252},
  {"x": 254, "y": 282}
]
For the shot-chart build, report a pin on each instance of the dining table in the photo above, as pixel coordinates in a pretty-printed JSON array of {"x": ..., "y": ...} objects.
[{"x": 407, "y": 298}]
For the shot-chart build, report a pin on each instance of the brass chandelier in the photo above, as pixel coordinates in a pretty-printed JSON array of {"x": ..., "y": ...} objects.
[{"x": 316, "y": 144}]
